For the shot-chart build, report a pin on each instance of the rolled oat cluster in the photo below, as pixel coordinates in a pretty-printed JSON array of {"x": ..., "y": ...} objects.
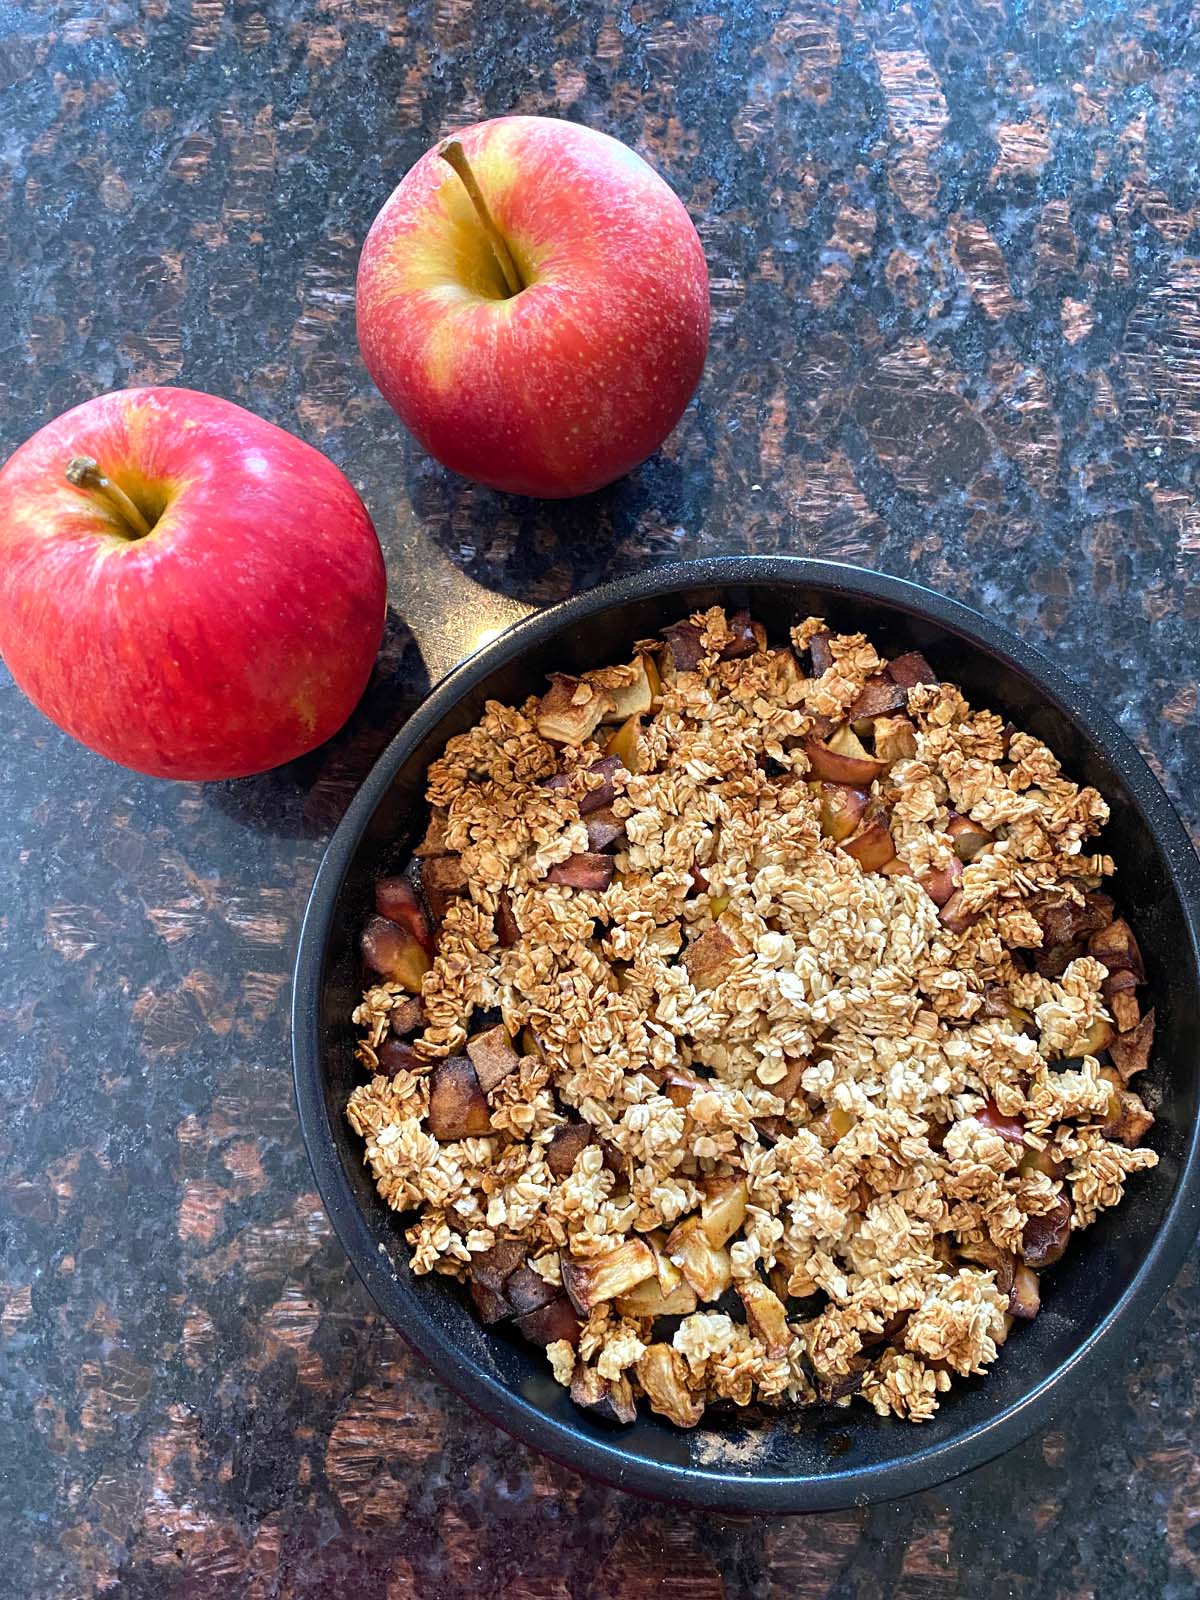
[{"x": 754, "y": 1026}]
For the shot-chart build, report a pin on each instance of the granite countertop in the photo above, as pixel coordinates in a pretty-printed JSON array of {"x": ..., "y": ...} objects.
[{"x": 955, "y": 259}]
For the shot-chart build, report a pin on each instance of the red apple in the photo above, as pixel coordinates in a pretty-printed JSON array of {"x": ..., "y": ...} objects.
[
  {"x": 533, "y": 302},
  {"x": 184, "y": 587}
]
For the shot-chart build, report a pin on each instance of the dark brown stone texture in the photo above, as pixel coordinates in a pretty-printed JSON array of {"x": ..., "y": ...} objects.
[{"x": 955, "y": 258}]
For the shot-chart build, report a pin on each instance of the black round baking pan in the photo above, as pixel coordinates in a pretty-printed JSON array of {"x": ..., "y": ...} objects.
[{"x": 791, "y": 1460}]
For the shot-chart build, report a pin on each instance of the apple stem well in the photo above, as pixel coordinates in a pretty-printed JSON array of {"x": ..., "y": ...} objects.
[
  {"x": 83, "y": 472},
  {"x": 452, "y": 152}
]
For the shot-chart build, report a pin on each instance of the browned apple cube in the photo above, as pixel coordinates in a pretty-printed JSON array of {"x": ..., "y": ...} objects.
[
  {"x": 598, "y": 1278},
  {"x": 1044, "y": 1238},
  {"x": 820, "y": 652},
  {"x": 397, "y": 1055},
  {"x": 525, "y": 1290},
  {"x": 507, "y": 931},
  {"x": 406, "y": 1016},
  {"x": 872, "y": 846},
  {"x": 969, "y": 838},
  {"x": 663, "y": 1375},
  {"x": 766, "y": 1317},
  {"x": 396, "y": 899},
  {"x": 895, "y": 739},
  {"x": 650, "y": 1299},
  {"x": 911, "y": 669},
  {"x": 1025, "y": 1296},
  {"x": 746, "y": 636},
  {"x": 986, "y": 1254},
  {"x": 684, "y": 642},
  {"x": 723, "y": 1208},
  {"x": 442, "y": 879},
  {"x": 706, "y": 1266},
  {"x": 564, "y": 1148},
  {"x": 1130, "y": 1052},
  {"x": 490, "y": 1303},
  {"x": 1010, "y": 1128},
  {"x": 788, "y": 1086},
  {"x": 1116, "y": 948},
  {"x": 709, "y": 957},
  {"x": 1126, "y": 1012},
  {"x": 494, "y": 1267},
  {"x": 571, "y": 710},
  {"x": 604, "y": 829},
  {"x": 636, "y": 698},
  {"x": 589, "y": 870},
  {"x": 611, "y": 1399},
  {"x": 942, "y": 883},
  {"x": 434, "y": 842},
  {"x": 601, "y": 793},
  {"x": 954, "y": 916},
  {"x": 679, "y": 1085},
  {"x": 841, "y": 765},
  {"x": 394, "y": 954},
  {"x": 458, "y": 1107},
  {"x": 550, "y": 1323},
  {"x": 623, "y": 746},
  {"x": 842, "y": 808},
  {"x": 880, "y": 697},
  {"x": 493, "y": 1057}
]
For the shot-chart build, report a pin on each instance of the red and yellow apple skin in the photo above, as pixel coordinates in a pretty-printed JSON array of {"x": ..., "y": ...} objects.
[
  {"x": 237, "y": 634},
  {"x": 567, "y": 385}
]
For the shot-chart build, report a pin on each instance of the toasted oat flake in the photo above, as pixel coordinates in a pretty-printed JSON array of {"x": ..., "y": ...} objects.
[{"x": 756, "y": 1055}]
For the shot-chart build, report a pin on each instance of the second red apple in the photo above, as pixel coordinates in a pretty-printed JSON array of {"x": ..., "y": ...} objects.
[{"x": 533, "y": 302}]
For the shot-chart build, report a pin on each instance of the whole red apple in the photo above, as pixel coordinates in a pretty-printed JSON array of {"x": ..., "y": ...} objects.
[
  {"x": 533, "y": 302},
  {"x": 184, "y": 587}
]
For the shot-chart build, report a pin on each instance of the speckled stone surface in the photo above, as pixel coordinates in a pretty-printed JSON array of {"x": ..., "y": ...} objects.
[{"x": 955, "y": 258}]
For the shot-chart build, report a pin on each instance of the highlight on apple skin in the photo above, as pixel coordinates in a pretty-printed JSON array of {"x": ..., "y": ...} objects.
[
  {"x": 185, "y": 588},
  {"x": 569, "y": 382}
]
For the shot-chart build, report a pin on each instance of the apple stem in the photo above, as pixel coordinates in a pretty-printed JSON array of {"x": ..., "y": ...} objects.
[
  {"x": 84, "y": 473},
  {"x": 452, "y": 152}
]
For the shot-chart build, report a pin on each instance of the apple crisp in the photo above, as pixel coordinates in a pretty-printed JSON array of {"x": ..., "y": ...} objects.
[{"x": 752, "y": 1025}]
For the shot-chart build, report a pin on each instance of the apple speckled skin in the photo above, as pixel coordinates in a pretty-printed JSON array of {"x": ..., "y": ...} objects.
[
  {"x": 569, "y": 384},
  {"x": 238, "y": 634}
]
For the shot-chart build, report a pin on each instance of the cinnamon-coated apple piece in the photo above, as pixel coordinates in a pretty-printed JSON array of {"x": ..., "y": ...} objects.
[
  {"x": 1119, "y": 994},
  {"x": 942, "y": 882},
  {"x": 598, "y": 1278},
  {"x": 1116, "y": 948},
  {"x": 493, "y": 1057},
  {"x": 679, "y": 1085},
  {"x": 969, "y": 838},
  {"x": 983, "y": 1253},
  {"x": 458, "y": 1107},
  {"x": 1044, "y": 1238},
  {"x": 565, "y": 1147},
  {"x": 632, "y": 699},
  {"x": 608, "y": 1398},
  {"x": 550, "y": 1323},
  {"x": 589, "y": 870},
  {"x": 748, "y": 637},
  {"x": 623, "y": 746},
  {"x": 766, "y": 1317},
  {"x": 406, "y": 1016},
  {"x": 820, "y": 653},
  {"x": 397, "y": 1055},
  {"x": 954, "y": 915},
  {"x": 842, "y": 807},
  {"x": 397, "y": 900},
  {"x": 650, "y": 1299},
  {"x": 709, "y": 957},
  {"x": 723, "y": 1208},
  {"x": 601, "y": 794},
  {"x": 394, "y": 954},
  {"x": 1010, "y": 1128},
  {"x": 911, "y": 669},
  {"x": 442, "y": 879},
  {"x": 526, "y": 1290},
  {"x": 489, "y": 1303},
  {"x": 605, "y": 829},
  {"x": 706, "y": 1266},
  {"x": 879, "y": 697},
  {"x": 895, "y": 739},
  {"x": 508, "y": 933},
  {"x": 663, "y": 1375},
  {"x": 495, "y": 1266},
  {"x": 1130, "y": 1052},
  {"x": 571, "y": 709},
  {"x": 1025, "y": 1296},
  {"x": 434, "y": 842},
  {"x": 842, "y": 760},
  {"x": 684, "y": 641},
  {"x": 872, "y": 846}
]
